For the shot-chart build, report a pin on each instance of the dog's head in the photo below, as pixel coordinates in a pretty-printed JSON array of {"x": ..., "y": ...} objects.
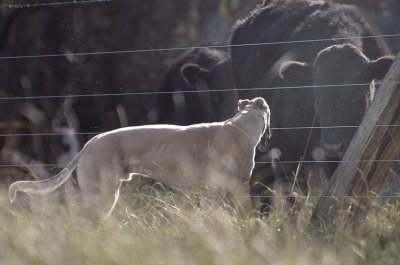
[{"x": 260, "y": 106}]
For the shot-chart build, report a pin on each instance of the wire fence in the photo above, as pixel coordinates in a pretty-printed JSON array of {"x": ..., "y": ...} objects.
[
  {"x": 196, "y": 91},
  {"x": 153, "y": 93},
  {"x": 61, "y": 166},
  {"x": 15, "y": 5},
  {"x": 133, "y": 51},
  {"x": 272, "y": 196},
  {"x": 272, "y": 128}
]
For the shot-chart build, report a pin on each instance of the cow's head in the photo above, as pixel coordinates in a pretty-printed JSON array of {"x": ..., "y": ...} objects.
[
  {"x": 201, "y": 70},
  {"x": 342, "y": 76},
  {"x": 215, "y": 89}
]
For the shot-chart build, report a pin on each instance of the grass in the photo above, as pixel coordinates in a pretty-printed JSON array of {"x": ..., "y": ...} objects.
[{"x": 159, "y": 226}]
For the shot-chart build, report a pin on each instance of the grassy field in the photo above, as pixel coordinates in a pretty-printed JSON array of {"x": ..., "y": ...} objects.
[{"x": 161, "y": 227}]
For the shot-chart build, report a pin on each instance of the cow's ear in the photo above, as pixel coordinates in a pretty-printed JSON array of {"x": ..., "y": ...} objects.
[
  {"x": 378, "y": 68},
  {"x": 243, "y": 103},
  {"x": 296, "y": 72},
  {"x": 192, "y": 72}
]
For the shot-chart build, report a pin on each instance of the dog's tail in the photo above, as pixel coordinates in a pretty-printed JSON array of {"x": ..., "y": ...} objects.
[{"x": 47, "y": 185}]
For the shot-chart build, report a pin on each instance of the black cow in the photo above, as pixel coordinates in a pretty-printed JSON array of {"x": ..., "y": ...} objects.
[
  {"x": 297, "y": 26},
  {"x": 184, "y": 92},
  {"x": 343, "y": 105}
]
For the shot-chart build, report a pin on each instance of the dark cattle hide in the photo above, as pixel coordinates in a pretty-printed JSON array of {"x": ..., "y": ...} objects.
[
  {"x": 290, "y": 23},
  {"x": 343, "y": 105},
  {"x": 199, "y": 69}
]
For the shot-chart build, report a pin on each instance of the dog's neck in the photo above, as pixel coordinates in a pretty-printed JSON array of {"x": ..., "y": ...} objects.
[
  {"x": 258, "y": 112},
  {"x": 246, "y": 125}
]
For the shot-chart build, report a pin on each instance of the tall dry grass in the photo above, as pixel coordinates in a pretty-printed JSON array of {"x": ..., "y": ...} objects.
[{"x": 154, "y": 225}]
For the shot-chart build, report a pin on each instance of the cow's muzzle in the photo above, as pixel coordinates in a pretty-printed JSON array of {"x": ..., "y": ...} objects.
[{"x": 333, "y": 149}]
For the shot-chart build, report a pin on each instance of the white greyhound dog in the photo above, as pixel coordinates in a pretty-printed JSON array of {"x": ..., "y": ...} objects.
[{"x": 221, "y": 154}]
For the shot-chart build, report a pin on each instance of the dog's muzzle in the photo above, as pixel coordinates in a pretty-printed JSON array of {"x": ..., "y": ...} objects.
[{"x": 263, "y": 146}]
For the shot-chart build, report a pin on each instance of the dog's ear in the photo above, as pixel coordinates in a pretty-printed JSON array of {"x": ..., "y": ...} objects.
[
  {"x": 242, "y": 104},
  {"x": 260, "y": 103}
]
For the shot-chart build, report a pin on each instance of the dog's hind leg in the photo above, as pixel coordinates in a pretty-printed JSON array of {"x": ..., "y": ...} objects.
[
  {"x": 116, "y": 196},
  {"x": 99, "y": 182}
]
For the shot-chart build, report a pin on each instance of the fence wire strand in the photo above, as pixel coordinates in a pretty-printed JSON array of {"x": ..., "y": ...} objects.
[
  {"x": 152, "y": 93},
  {"x": 222, "y": 46},
  {"x": 274, "y": 196},
  {"x": 61, "y": 166},
  {"x": 273, "y": 128},
  {"x": 44, "y": 4}
]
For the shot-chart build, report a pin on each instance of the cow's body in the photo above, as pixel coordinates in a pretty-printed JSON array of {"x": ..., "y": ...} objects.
[{"x": 302, "y": 30}]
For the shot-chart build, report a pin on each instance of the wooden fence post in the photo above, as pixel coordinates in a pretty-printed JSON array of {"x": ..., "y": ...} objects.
[{"x": 360, "y": 175}]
